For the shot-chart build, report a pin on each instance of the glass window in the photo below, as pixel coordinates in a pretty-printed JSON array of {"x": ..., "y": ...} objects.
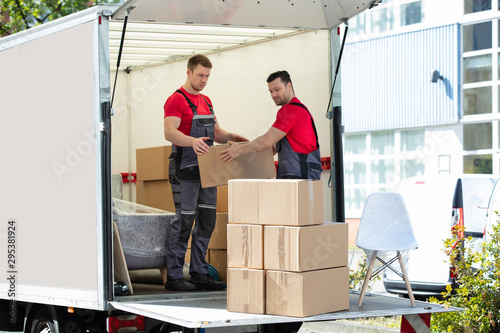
[
  {"x": 477, "y": 69},
  {"x": 412, "y": 168},
  {"x": 355, "y": 198},
  {"x": 478, "y": 164},
  {"x": 473, "y": 6},
  {"x": 382, "y": 143},
  {"x": 411, "y": 13},
  {"x": 412, "y": 140},
  {"x": 382, "y": 20},
  {"x": 355, "y": 173},
  {"x": 477, "y": 136},
  {"x": 355, "y": 144},
  {"x": 477, "y": 101},
  {"x": 357, "y": 24},
  {"x": 382, "y": 172},
  {"x": 477, "y": 36}
]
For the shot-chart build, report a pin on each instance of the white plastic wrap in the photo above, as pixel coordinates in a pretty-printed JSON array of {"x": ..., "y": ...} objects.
[
  {"x": 385, "y": 224},
  {"x": 143, "y": 233}
]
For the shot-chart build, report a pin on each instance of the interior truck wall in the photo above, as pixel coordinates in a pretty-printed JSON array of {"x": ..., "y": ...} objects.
[
  {"x": 238, "y": 90},
  {"x": 49, "y": 169}
]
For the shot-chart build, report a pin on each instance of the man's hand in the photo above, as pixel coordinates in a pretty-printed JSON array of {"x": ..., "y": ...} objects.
[
  {"x": 229, "y": 154},
  {"x": 199, "y": 145}
]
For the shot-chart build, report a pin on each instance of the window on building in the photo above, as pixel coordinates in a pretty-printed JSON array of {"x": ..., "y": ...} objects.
[
  {"x": 382, "y": 143},
  {"x": 355, "y": 144},
  {"x": 412, "y": 140},
  {"x": 388, "y": 16},
  {"x": 473, "y": 6},
  {"x": 477, "y": 36},
  {"x": 477, "y": 136},
  {"x": 482, "y": 164},
  {"x": 477, "y": 101},
  {"x": 478, "y": 68},
  {"x": 377, "y": 161},
  {"x": 411, "y": 13},
  {"x": 382, "y": 20}
]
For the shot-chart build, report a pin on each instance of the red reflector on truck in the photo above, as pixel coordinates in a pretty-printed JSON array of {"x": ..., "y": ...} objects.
[{"x": 115, "y": 323}]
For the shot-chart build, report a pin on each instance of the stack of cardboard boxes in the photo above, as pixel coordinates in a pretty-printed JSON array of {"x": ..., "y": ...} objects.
[
  {"x": 283, "y": 259},
  {"x": 153, "y": 188}
]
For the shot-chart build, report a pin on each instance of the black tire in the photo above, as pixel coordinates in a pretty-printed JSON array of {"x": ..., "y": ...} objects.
[{"x": 43, "y": 322}]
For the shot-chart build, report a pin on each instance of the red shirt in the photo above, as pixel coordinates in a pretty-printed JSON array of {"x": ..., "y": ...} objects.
[
  {"x": 296, "y": 122},
  {"x": 177, "y": 106}
]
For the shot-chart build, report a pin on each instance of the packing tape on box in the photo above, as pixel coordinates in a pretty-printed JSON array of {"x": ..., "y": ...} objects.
[
  {"x": 311, "y": 200},
  {"x": 244, "y": 245},
  {"x": 281, "y": 247}
]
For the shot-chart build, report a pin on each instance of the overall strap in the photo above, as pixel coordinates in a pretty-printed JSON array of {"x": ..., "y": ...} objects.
[
  {"x": 191, "y": 104},
  {"x": 312, "y": 122}
]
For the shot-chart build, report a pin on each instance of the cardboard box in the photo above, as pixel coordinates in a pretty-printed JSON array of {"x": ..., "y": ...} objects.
[
  {"x": 293, "y": 202},
  {"x": 214, "y": 171},
  {"x": 245, "y": 246},
  {"x": 246, "y": 290},
  {"x": 218, "y": 259},
  {"x": 155, "y": 193},
  {"x": 152, "y": 163},
  {"x": 307, "y": 293},
  {"x": 222, "y": 200},
  {"x": 219, "y": 235},
  {"x": 307, "y": 248},
  {"x": 243, "y": 200}
]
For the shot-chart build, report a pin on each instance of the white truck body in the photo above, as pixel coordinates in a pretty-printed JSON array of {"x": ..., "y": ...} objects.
[{"x": 56, "y": 153}]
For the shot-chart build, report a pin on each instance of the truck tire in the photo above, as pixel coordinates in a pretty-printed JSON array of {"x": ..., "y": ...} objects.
[{"x": 43, "y": 322}]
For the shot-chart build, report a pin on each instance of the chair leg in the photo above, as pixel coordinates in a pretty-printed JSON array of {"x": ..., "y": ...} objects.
[
  {"x": 367, "y": 278},
  {"x": 407, "y": 282}
]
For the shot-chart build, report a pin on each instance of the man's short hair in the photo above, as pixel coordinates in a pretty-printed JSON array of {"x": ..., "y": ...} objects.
[
  {"x": 283, "y": 75},
  {"x": 198, "y": 59}
]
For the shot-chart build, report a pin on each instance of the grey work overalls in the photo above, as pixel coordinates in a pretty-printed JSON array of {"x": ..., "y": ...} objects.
[
  {"x": 191, "y": 201},
  {"x": 297, "y": 165}
]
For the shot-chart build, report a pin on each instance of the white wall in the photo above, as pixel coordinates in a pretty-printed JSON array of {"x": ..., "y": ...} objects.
[{"x": 237, "y": 88}]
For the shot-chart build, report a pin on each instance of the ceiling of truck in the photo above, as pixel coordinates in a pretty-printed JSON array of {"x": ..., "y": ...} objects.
[
  {"x": 148, "y": 44},
  {"x": 160, "y": 31}
]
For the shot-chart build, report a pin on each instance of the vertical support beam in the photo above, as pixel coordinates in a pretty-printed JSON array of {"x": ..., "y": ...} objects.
[{"x": 336, "y": 101}]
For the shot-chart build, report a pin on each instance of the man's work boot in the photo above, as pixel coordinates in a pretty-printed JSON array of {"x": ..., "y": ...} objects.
[
  {"x": 179, "y": 285},
  {"x": 205, "y": 281}
]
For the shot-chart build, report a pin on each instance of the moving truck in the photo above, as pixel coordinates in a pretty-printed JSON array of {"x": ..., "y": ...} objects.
[{"x": 57, "y": 91}]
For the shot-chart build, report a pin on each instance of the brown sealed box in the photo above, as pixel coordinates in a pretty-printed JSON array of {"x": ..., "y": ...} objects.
[
  {"x": 222, "y": 200},
  {"x": 294, "y": 202},
  {"x": 307, "y": 248},
  {"x": 307, "y": 293},
  {"x": 243, "y": 199},
  {"x": 152, "y": 163},
  {"x": 218, "y": 259},
  {"x": 245, "y": 246},
  {"x": 214, "y": 171},
  {"x": 219, "y": 235},
  {"x": 246, "y": 290},
  {"x": 155, "y": 193}
]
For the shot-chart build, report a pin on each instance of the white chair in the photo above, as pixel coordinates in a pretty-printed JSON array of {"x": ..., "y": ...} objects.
[{"x": 385, "y": 226}]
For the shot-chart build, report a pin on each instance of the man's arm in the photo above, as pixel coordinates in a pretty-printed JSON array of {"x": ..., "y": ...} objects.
[
  {"x": 171, "y": 130},
  {"x": 223, "y": 136},
  {"x": 272, "y": 136}
]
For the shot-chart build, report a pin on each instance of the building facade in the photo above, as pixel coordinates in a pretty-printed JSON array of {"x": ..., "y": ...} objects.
[{"x": 420, "y": 93}]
